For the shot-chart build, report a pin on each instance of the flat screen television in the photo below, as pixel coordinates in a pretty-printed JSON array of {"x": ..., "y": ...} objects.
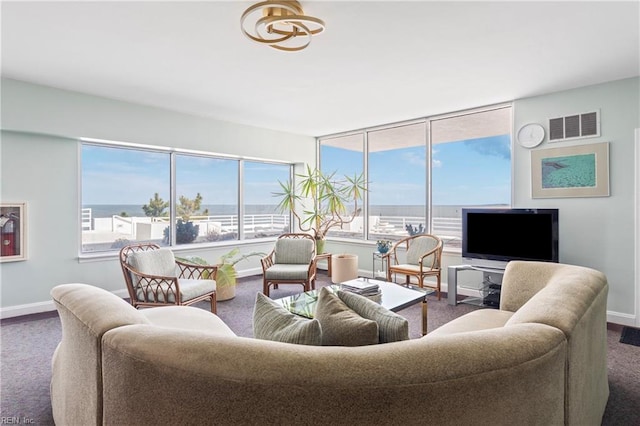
[{"x": 493, "y": 237}]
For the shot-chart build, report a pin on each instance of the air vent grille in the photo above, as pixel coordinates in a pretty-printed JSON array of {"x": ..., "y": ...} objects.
[{"x": 574, "y": 126}]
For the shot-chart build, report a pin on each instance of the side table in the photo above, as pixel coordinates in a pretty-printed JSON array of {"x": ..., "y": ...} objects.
[{"x": 379, "y": 259}]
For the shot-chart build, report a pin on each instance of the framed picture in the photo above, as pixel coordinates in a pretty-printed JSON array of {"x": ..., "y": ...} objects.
[
  {"x": 572, "y": 171},
  {"x": 13, "y": 232}
]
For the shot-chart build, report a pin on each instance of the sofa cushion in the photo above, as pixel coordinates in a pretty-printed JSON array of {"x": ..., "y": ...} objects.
[
  {"x": 342, "y": 326},
  {"x": 159, "y": 262},
  {"x": 391, "y": 326},
  {"x": 482, "y": 319},
  {"x": 273, "y": 322}
]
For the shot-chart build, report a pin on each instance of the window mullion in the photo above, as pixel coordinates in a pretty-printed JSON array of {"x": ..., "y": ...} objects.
[{"x": 173, "y": 199}]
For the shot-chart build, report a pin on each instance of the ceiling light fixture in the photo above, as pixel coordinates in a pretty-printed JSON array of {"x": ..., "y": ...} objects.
[{"x": 281, "y": 24}]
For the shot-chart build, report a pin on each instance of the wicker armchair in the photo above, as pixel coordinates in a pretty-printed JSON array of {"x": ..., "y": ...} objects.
[
  {"x": 150, "y": 274},
  {"x": 292, "y": 261},
  {"x": 423, "y": 259}
]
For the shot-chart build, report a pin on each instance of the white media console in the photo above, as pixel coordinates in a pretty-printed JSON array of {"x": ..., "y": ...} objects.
[{"x": 488, "y": 276}]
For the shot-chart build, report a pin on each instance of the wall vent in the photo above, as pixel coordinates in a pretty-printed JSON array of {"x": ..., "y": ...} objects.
[{"x": 584, "y": 125}]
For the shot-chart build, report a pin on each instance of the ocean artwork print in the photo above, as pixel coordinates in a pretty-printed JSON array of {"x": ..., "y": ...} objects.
[{"x": 572, "y": 171}]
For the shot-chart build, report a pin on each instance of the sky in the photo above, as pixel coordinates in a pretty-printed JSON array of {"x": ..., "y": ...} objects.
[
  {"x": 125, "y": 176},
  {"x": 471, "y": 172}
]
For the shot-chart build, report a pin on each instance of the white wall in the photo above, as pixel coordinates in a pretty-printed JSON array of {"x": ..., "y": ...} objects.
[
  {"x": 43, "y": 170},
  {"x": 594, "y": 232}
]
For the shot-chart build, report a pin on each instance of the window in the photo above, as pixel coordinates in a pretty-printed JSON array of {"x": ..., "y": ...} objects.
[
  {"x": 261, "y": 216},
  {"x": 129, "y": 195},
  {"x": 343, "y": 156},
  {"x": 207, "y": 199},
  {"x": 117, "y": 185},
  {"x": 421, "y": 174},
  {"x": 470, "y": 167},
  {"x": 397, "y": 180}
]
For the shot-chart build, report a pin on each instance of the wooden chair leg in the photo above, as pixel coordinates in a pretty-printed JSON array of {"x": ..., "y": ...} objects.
[
  {"x": 214, "y": 304},
  {"x": 265, "y": 288}
]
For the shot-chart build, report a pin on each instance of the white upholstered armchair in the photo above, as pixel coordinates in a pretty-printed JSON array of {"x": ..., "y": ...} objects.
[
  {"x": 423, "y": 259},
  {"x": 155, "y": 278},
  {"x": 292, "y": 261}
]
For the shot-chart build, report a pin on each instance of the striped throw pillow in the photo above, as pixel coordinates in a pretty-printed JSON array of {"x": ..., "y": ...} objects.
[{"x": 273, "y": 322}]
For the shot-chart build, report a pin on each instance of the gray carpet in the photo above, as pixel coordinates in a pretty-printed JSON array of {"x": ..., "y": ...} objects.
[{"x": 27, "y": 345}]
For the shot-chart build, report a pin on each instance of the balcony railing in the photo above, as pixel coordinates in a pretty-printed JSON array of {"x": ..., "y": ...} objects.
[{"x": 104, "y": 233}]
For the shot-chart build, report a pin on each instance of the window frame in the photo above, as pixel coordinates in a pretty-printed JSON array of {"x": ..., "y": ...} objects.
[
  {"x": 428, "y": 120},
  {"x": 173, "y": 153}
]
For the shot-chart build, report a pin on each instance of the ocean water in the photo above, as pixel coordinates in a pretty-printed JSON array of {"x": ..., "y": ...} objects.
[{"x": 108, "y": 210}]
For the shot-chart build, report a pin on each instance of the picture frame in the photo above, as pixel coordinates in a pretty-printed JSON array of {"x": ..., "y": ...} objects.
[
  {"x": 13, "y": 232},
  {"x": 571, "y": 171}
]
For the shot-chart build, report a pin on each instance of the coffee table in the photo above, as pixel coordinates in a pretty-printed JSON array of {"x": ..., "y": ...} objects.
[{"x": 394, "y": 297}]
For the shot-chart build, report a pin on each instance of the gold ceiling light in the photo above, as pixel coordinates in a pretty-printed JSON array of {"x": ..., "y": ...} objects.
[{"x": 280, "y": 24}]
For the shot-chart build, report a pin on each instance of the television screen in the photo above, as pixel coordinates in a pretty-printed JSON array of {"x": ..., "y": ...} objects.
[{"x": 510, "y": 234}]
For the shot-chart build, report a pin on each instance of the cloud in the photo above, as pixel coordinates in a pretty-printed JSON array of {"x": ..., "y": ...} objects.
[
  {"x": 499, "y": 146},
  {"x": 415, "y": 159}
]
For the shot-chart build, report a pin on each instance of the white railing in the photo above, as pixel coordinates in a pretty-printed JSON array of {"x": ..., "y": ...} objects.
[
  {"x": 86, "y": 219},
  {"x": 151, "y": 228},
  {"x": 214, "y": 227},
  {"x": 449, "y": 227}
]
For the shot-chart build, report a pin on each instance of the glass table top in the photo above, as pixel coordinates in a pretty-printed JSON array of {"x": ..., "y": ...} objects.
[{"x": 394, "y": 297}]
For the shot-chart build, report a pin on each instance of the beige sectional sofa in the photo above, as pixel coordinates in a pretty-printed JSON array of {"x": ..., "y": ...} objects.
[{"x": 538, "y": 360}]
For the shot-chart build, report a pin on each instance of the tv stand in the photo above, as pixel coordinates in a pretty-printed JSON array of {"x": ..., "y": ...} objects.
[{"x": 491, "y": 299}]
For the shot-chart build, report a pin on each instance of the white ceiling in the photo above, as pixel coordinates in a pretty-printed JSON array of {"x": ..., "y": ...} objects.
[{"x": 377, "y": 62}]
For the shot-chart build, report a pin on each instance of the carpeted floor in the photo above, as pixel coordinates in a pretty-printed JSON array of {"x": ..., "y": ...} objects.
[{"x": 28, "y": 343}]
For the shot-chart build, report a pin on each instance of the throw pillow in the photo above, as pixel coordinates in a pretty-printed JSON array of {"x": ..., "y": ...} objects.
[
  {"x": 392, "y": 327},
  {"x": 341, "y": 326},
  {"x": 273, "y": 322}
]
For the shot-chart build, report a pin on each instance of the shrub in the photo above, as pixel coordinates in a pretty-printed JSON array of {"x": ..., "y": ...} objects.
[{"x": 186, "y": 232}]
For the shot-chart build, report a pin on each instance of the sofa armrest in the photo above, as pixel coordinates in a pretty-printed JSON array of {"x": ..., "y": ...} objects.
[{"x": 86, "y": 313}]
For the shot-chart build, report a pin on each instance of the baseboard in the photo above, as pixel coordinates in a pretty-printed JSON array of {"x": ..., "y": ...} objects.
[
  {"x": 41, "y": 307},
  {"x": 28, "y": 309},
  {"x": 622, "y": 319}
]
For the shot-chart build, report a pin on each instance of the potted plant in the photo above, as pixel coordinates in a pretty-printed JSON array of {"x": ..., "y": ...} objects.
[
  {"x": 226, "y": 277},
  {"x": 323, "y": 200},
  {"x": 384, "y": 246}
]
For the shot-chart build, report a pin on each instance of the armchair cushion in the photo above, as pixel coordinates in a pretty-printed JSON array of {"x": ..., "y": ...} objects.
[
  {"x": 391, "y": 326},
  {"x": 341, "y": 326},
  {"x": 407, "y": 267},
  {"x": 273, "y": 322},
  {"x": 287, "y": 272},
  {"x": 418, "y": 247},
  {"x": 159, "y": 262},
  {"x": 294, "y": 251}
]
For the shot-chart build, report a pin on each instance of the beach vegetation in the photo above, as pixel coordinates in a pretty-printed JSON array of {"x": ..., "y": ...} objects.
[{"x": 156, "y": 207}]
